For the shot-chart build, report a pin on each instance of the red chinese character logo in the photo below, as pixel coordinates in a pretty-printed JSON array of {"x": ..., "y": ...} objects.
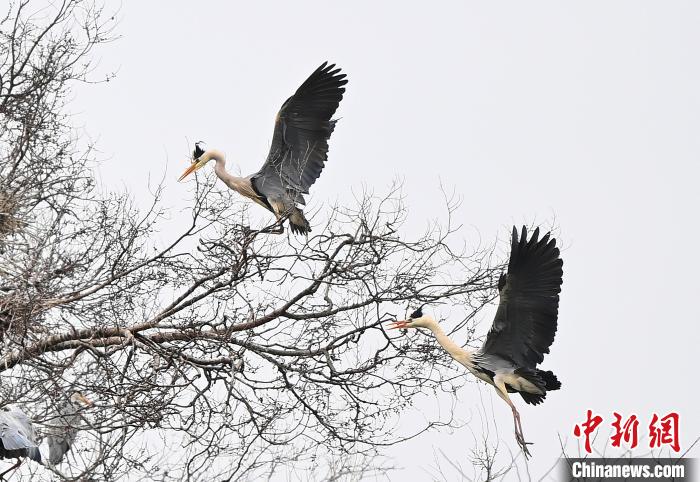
[
  {"x": 664, "y": 431},
  {"x": 628, "y": 431},
  {"x": 589, "y": 427}
]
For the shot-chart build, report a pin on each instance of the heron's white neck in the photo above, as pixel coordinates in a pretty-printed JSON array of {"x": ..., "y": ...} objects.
[
  {"x": 457, "y": 352},
  {"x": 234, "y": 182}
]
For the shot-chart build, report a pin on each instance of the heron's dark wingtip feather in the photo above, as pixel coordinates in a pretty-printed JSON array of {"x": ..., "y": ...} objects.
[
  {"x": 533, "y": 398},
  {"x": 296, "y": 229},
  {"x": 298, "y": 222},
  {"x": 299, "y": 229},
  {"x": 551, "y": 382},
  {"x": 544, "y": 380}
]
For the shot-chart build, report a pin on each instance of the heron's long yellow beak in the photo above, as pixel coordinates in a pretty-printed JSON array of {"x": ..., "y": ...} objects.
[
  {"x": 85, "y": 400},
  {"x": 397, "y": 324},
  {"x": 195, "y": 165}
]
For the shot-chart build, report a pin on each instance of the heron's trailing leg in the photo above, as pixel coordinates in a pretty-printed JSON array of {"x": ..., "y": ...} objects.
[
  {"x": 14, "y": 467},
  {"x": 519, "y": 437}
]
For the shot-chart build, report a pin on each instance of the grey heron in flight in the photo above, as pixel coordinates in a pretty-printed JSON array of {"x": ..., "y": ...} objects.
[
  {"x": 18, "y": 438},
  {"x": 298, "y": 152},
  {"x": 522, "y": 331}
]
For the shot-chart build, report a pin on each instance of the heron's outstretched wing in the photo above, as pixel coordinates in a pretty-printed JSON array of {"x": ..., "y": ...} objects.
[
  {"x": 526, "y": 320},
  {"x": 300, "y": 142},
  {"x": 17, "y": 436}
]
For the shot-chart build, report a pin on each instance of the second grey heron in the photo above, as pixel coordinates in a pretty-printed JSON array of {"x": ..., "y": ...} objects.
[
  {"x": 298, "y": 152},
  {"x": 522, "y": 331},
  {"x": 61, "y": 434}
]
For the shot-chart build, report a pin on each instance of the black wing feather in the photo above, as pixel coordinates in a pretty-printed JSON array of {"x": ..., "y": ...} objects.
[
  {"x": 303, "y": 126},
  {"x": 526, "y": 320}
]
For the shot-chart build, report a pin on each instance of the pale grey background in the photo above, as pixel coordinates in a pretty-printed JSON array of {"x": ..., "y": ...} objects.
[{"x": 583, "y": 113}]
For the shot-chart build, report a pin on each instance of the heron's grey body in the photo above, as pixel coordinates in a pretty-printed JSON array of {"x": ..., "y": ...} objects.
[
  {"x": 62, "y": 433},
  {"x": 17, "y": 438}
]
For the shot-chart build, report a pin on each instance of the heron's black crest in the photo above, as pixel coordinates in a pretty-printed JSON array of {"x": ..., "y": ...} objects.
[
  {"x": 417, "y": 314},
  {"x": 198, "y": 151}
]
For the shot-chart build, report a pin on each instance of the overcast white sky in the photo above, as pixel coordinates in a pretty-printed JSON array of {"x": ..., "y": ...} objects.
[{"x": 585, "y": 113}]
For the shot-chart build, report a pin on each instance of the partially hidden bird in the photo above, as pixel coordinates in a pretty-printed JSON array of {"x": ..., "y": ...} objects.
[
  {"x": 64, "y": 429},
  {"x": 523, "y": 329},
  {"x": 18, "y": 438},
  {"x": 298, "y": 152}
]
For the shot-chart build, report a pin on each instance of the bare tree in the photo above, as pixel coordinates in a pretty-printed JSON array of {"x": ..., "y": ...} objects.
[
  {"x": 227, "y": 352},
  {"x": 43, "y": 178}
]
